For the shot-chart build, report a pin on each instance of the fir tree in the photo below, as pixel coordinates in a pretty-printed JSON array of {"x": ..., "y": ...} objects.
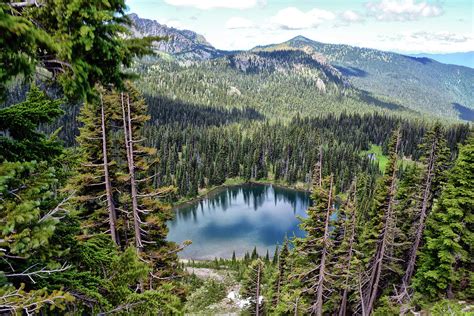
[
  {"x": 346, "y": 255},
  {"x": 113, "y": 156},
  {"x": 317, "y": 246},
  {"x": 379, "y": 233},
  {"x": 435, "y": 158},
  {"x": 80, "y": 46},
  {"x": 95, "y": 179},
  {"x": 445, "y": 264},
  {"x": 31, "y": 207},
  {"x": 252, "y": 287},
  {"x": 282, "y": 273},
  {"x": 276, "y": 254},
  {"x": 254, "y": 254},
  {"x": 267, "y": 257},
  {"x": 20, "y": 139}
]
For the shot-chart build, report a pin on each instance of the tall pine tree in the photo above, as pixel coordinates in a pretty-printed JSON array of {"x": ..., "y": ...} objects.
[{"x": 445, "y": 265}]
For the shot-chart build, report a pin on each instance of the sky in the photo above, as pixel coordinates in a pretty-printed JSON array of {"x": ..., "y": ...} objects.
[{"x": 407, "y": 26}]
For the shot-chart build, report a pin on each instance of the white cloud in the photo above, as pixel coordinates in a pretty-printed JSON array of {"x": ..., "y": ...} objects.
[
  {"x": 239, "y": 23},
  {"x": 446, "y": 37},
  {"x": 402, "y": 10},
  {"x": 294, "y": 19},
  {"x": 427, "y": 42},
  {"x": 351, "y": 16},
  {"x": 213, "y": 4}
]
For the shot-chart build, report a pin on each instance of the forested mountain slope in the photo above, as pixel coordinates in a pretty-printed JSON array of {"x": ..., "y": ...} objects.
[
  {"x": 265, "y": 82},
  {"x": 419, "y": 83}
]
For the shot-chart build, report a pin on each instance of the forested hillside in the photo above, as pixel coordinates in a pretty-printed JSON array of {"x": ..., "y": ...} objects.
[
  {"x": 421, "y": 84},
  {"x": 100, "y": 138},
  {"x": 263, "y": 83}
]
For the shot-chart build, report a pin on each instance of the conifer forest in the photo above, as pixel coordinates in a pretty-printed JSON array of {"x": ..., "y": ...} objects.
[{"x": 104, "y": 134}]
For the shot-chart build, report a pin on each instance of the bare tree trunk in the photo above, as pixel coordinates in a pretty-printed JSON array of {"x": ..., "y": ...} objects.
[
  {"x": 318, "y": 305},
  {"x": 127, "y": 126},
  {"x": 343, "y": 308},
  {"x": 108, "y": 187},
  {"x": 421, "y": 222},
  {"x": 361, "y": 294},
  {"x": 386, "y": 233},
  {"x": 296, "y": 306},
  {"x": 257, "y": 294}
]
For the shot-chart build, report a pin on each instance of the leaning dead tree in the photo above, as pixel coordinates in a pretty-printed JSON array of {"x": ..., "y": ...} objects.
[
  {"x": 385, "y": 239},
  {"x": 426, "y": 202},
  {"x": 252, "y": 288},
  {"x": 317, "y": 307},
  {"x": 350, "y": 233}
]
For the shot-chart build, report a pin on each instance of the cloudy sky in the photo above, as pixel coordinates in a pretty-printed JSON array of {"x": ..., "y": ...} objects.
[{"x": 408, "y": 26}]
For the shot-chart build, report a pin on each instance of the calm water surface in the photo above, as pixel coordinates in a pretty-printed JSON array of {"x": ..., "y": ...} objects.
[{"x": 237, "y": 219}]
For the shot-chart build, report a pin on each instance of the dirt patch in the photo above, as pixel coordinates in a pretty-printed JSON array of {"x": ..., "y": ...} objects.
[{"x": 204, "y": 273}]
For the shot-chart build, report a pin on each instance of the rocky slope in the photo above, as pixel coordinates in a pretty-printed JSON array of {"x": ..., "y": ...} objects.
[
  {"x": 306, "y": 64},
  {"x": 181, "y": 43}
]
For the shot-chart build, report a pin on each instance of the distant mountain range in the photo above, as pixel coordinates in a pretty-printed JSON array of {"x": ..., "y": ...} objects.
[
  {"x": 460, "y": 59},
  {"x": 418, "y": 83}
]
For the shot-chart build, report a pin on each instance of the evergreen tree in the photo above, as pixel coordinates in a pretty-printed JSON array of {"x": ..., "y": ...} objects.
[
  {"x": 31, "y": 207},
  {"x": 435, "y": 158},
  {"x": 113, "y": 129},
  {"x": 30, "y": 211},
  {"x": 346, "y": 254},
  {"x": 78, "y": 42},
  {"x": 20, "y": 40},
  {"x": 317, "y": 246},
  {"x": 19, "y": 138},
  {"x": 282, "y": 273},
  {"x": 252, "y": 287},
  {"x": 254, "y": 255},
  {"x": 276, "y": 254},
  {"x": 267, "y": 258},
  {"x": 377, "y": 239},
  {"x": 95, "y": 177},
  {"x": 445, "y": 264}
]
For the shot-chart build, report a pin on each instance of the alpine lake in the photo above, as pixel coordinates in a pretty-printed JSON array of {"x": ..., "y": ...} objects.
[{"x": 238, "y": 218}]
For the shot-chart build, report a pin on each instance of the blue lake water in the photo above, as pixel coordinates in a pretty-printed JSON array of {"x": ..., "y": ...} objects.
[{"x": 238, "y": 219}]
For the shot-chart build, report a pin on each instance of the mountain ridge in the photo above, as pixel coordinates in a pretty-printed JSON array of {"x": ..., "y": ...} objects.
[
  {"x": 418, "y": 83},
  {"x": 465, "y": 59},
  {"x": 184, "y": 43}
]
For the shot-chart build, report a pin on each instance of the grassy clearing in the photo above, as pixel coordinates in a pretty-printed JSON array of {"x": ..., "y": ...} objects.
[{"x": 378, "y": 156}]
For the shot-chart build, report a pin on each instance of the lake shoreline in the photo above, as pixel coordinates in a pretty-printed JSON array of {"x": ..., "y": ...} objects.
[
  {"x": 232, "y": 183},
  {"x": 237, "y": 217}
]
